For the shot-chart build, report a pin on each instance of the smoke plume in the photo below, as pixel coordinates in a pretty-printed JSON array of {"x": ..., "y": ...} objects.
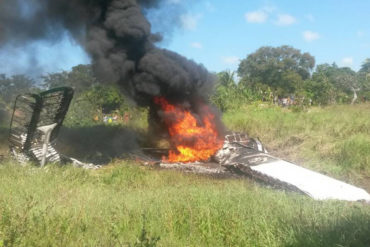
[{"x": 117, "y": 37}]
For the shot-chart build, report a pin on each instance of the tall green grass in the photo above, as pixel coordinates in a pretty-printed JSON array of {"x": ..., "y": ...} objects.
[
  {"x": 334, "y": 139},
  {"x": 66, "y": 206}
]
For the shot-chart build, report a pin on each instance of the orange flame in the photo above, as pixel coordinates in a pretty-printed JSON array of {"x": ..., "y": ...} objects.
[{"x": 192, "y": 142}]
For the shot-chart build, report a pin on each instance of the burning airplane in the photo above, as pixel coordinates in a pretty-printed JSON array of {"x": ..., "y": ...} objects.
[{"x": 118, "y": 38}]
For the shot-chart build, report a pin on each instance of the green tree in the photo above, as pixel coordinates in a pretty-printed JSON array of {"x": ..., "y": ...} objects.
[
  {"x": 365, "y": 67},
  {"x": 80, "y": 78},
  {"x": 319, "y": 90},
  {"x": 230, "y": 95},
  {"x": 344, "y": 81},
  {"x": 91, "y": 97},
  {"x": 10, "y": 87},
  {"x": 54, "y": 80},
  {"x": 364, "y": 79},
  {"x": 283, "y": 69},
  {"x": 105, "y": 98},
  {"x": 347, "y": 81},
  {"x": 226, "y": 78}
]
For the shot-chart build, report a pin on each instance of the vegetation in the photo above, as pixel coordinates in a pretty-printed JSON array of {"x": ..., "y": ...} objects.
[
  {"x": 285, "y": 72},
  {"x": 125, "y": 205},
  {"x": 17, "y": 84},
  {"x": 80, "y": 78},
  {"x": 283, "y": 69},
  {"x": 229, "y": 95},
  {"x": 334, "y": 140}
]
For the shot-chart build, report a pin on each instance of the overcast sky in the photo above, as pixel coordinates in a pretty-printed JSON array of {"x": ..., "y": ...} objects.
[{"x": 219, "y": 33}]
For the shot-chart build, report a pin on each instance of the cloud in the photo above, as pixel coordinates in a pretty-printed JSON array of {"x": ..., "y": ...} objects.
[
  {"x": 189, "y": 21},
  {"x": 310, "y": 17},
  {"x": 310, "y": 36},
  {"x": 347, "y": 61},
  {"x": 231, "y": 60},
  {"x": 269, "y": 8},
  {"x": 196, "y": 45},
  {"x": 258, "y": 16},
  {"x": 285, "y": 20}
]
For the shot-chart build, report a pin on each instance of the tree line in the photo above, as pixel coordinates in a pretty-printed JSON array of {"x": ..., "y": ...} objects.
[
  {"x": 274, "y": 73},
  {"x": 91, "y": 97},
  {"x": 268, "y": 74}
]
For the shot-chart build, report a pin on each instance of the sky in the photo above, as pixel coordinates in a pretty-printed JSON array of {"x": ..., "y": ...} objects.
[{"x": 219, "y": 33}]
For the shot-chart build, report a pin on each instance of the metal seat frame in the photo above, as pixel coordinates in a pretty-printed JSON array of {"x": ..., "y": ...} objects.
[{"x": 32, "y": 112}]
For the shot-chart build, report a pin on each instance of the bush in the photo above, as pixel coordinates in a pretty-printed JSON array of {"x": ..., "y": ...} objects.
[
  {"x": 89, "y": 108},
  {"x": 81, "y": 113},
  {"x": 233, "y": 97}
]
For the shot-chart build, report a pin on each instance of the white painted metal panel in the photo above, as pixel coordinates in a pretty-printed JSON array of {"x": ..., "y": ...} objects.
[{"x": 314, "y": 184}]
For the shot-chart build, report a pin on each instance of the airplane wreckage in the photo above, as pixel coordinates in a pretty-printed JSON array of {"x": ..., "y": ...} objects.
[{"x": 37, "y": 119}]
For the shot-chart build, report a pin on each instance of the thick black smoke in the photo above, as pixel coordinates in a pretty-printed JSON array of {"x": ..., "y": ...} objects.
[{"x": 118, "y": 38}]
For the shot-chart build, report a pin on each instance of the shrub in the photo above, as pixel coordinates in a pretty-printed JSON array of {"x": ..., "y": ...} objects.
[{"x": 233, "y": 97}]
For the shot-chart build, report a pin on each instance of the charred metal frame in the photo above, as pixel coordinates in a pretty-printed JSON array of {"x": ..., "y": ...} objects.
[{"x": 32, "y": 111}]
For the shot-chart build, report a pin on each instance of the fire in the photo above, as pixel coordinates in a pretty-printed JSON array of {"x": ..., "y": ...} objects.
[{"x": 193, "y": 141}]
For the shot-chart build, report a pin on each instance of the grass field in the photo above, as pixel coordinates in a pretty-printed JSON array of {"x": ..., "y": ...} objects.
[
  {"x": 333, "y": 140},
  {"x": 124, "y": 204},
  {"x": 111, "y": 207}
]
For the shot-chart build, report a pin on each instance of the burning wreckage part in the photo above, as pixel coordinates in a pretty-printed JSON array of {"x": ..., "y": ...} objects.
[
  {"x": 193, "y": 141},
  {"x": 243, "y": 156},
  {"x": 35, "y": 124}
]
